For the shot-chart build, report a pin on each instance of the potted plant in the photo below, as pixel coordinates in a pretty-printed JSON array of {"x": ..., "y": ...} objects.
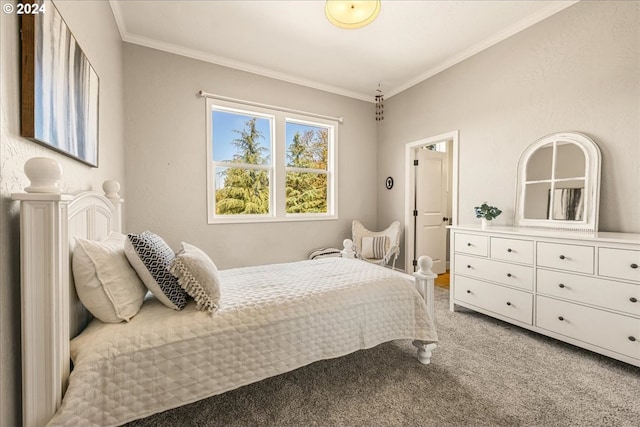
[{"x": 487, "y": 213}]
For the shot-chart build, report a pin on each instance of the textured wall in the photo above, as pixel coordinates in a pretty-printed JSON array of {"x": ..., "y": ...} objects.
[
  {"x": 93, "y": 25},
  {"x": 578, "y": 70},
  {"x": 166, "y": 159}
]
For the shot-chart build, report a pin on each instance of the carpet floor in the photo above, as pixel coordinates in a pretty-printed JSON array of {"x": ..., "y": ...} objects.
[{"x": 484, "y": 373}]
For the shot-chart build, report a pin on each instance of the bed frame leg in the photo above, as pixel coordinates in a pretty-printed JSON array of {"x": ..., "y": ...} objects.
[
  {"x": 424, "y": 351},
  {"x": 425, "y": 280}
]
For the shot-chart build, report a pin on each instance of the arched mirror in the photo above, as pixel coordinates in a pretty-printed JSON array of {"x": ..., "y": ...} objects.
[{"x": 559, "y": 183}]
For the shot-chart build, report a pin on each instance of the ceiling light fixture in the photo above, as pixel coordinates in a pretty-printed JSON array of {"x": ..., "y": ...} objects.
[{"x": 351, "y": 14}]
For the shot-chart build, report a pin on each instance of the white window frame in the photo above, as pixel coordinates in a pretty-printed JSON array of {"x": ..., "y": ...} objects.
[{"x": 278, "y": 168}]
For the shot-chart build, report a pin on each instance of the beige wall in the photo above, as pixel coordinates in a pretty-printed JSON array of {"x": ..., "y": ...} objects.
[
  {"x": 578, "y": 70},
  {"x": 166, "y": 159},
  {"x": 92, "y": 23}
]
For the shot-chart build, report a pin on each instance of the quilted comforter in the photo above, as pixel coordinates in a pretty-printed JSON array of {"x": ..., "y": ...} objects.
[{"x": 272, "y": 319}]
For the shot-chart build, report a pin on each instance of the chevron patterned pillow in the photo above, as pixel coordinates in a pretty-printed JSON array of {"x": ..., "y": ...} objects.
[{"x": 150, "y": 257}]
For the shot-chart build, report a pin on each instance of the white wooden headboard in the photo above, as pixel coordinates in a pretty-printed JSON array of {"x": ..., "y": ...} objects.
[
  {"x": 52, "y": 314},
  {"x": 51, "y": 311}
]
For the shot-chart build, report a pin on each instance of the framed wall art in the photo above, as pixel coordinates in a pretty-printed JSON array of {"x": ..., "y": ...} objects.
[{"x": 60, "y": 88}]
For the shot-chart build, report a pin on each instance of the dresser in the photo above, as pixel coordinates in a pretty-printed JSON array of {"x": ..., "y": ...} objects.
[{"x": 579, "y": 287}]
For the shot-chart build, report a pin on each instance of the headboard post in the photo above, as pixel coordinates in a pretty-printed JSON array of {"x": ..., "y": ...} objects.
[
  {"x": 111, "y": 189},
  {"x": 49, "y": 221},
  {"x": 44, "y": 264}
]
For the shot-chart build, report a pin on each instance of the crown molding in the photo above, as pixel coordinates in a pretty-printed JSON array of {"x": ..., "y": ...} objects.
[
  {"x": 225, "y": 62},
  {"x": 484, "y": 44},
  {"x": 552, "y": 9},
  {"x": 241, "y": 66},
  {"x": 117, "y": 15}
]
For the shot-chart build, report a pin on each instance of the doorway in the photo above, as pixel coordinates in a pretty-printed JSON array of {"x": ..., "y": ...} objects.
[{"x": 431, "y": 198}]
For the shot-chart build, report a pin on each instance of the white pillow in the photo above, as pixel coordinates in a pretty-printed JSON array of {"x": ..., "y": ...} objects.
[
  {"x": 105, "y": 282},
  {"x": 198, "y": 275},
  {"x": 374, "y": 247}
]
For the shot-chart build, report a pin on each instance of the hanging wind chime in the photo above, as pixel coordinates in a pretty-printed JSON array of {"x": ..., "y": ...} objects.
[{"x": 379, "y": 105}]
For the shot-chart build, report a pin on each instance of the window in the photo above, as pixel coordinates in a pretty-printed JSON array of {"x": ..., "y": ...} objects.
[
  {"x": 438, "y": 146},
  {"x": 307, "y": 154},
  {"x": 268, "y": 165},
  {"x": 242, "y": 162}
]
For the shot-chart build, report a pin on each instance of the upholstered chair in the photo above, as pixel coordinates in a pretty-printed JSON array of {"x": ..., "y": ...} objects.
[{"x": 378, "y": 247}]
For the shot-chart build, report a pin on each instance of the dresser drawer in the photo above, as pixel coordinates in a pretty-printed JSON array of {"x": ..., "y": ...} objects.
[
  {"x": 514, "y": 250},
  {"x": 566, "y": 257},
  {"x": 619, "y": 263},
  {"x": 519, "y": 276},
  {"x": 611, "y": 331},
  {"x": 471, "y": 244},
  {"x": 512, "y": 303},
  {"x": 618, "y": 296}
]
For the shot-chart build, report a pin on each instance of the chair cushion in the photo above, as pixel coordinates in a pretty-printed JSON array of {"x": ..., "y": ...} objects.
[{"x": 374, "y": 247}]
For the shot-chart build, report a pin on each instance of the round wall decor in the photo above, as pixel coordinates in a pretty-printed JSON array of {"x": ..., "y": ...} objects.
[{"x": 389, "y": 183}]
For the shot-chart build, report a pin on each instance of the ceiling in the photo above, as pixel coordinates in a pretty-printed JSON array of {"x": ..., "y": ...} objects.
[{"x": 293, "y": 41}]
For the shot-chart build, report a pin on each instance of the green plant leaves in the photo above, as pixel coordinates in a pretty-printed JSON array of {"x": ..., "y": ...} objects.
[{"x": 487, "y": 212}]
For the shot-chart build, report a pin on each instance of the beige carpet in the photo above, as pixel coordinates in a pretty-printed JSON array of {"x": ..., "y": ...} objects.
[{"x": 484, "y": 373}]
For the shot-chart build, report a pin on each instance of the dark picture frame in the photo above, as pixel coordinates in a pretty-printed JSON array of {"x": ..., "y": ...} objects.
[{"x": 60, "y": 88}]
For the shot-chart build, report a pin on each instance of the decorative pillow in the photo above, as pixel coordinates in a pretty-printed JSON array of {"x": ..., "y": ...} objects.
[
  {"x": 198, "y": 275},
  {"x": 374, "y": 247},
  {"x": 105, "y": 282},
  {"x": 150, "y": 257},
  {"x": 325, "y": 253}
]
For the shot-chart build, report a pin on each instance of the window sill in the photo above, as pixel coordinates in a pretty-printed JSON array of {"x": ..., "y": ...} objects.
[{"x": 288, "y": 218}]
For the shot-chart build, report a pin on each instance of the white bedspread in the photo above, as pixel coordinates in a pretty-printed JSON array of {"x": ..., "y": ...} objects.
[{"x": 272, "y": 319}]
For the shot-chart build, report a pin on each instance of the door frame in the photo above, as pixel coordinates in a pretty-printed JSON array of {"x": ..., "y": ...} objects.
[{"x": 409, "y": 179}]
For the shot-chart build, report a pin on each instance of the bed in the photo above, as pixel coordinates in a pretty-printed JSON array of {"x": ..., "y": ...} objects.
[{"x": 272, "y": 319}]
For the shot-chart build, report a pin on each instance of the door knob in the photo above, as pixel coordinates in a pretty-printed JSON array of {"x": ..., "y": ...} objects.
[{"x": 444, "y": 218}]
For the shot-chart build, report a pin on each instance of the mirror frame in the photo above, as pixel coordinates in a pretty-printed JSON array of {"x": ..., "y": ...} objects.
[{"x": 591, "y": 187}]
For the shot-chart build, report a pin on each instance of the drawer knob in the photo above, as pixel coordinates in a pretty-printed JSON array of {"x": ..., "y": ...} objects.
[
  {"x": 508, "y": 303},
  {"x": 632, "y": 338},
  {"x": 561, "y": 285},
  {"x": 633, "y": 299},
  {"x": 562, "y": 257},
  {"x": 468, "y": 244},
  {"x": 468, "y": 291},
  {"x": 468, "y": 266},
  {"x": 509, "y": 250},
  {"x": 634, "y": 265},
  {"x": 560, "y": 318},
  {"x": 508, "y": 274}
]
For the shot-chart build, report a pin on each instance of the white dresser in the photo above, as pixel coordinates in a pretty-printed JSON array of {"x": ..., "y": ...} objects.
[{"x": 578, "y": 287}]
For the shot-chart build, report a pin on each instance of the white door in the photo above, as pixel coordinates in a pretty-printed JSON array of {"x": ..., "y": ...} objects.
[{"x": 431, "y": 207}]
